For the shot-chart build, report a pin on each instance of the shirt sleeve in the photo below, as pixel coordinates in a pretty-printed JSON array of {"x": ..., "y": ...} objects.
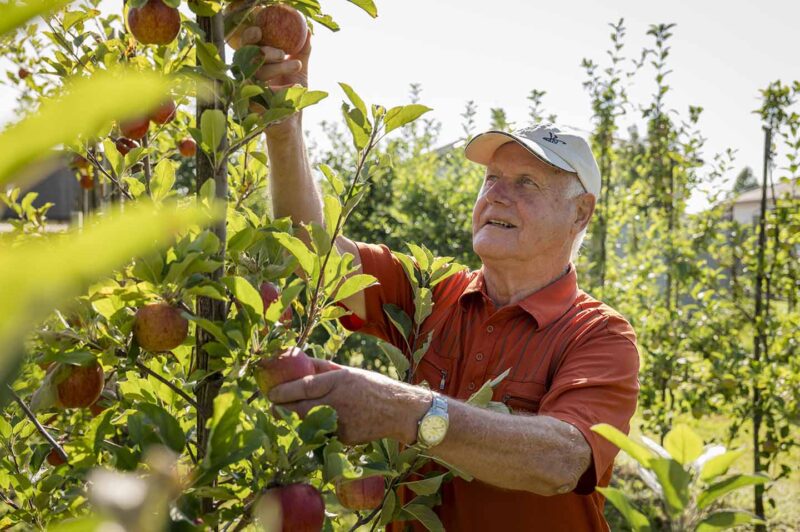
[
  {"x": 393, "y": 287},
  {"x": 597, "y": 382}
]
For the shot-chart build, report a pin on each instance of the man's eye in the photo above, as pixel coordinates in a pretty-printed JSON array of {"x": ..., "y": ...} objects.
[{"x": 528, "y": 181}]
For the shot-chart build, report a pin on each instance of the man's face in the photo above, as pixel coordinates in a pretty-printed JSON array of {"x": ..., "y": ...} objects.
[{"x": 529, "y": 195}]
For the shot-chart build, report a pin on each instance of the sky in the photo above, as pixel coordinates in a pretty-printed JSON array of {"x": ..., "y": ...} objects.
[{"x": 495, "y": 52}]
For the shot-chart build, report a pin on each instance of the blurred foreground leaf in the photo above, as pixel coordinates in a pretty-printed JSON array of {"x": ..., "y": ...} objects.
[
  {"x": 16, "y": 13},
  {"x": 39, "y": 276},
  {"x": 84, "y": 108}
]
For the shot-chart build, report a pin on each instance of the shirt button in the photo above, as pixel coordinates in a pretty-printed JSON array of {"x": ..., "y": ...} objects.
[
  {"x": 489, "y": 329},
  {"x": 479, "y": 356},
  {"x": 471, "y": 386}
]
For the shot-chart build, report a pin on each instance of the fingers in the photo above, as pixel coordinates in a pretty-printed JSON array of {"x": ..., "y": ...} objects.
[
  {"x": 274, "y": 70},
  {"x": 323, "y": 366},
  {"x": 309, "y": 387},
  {"x": 301, "y": 408}
]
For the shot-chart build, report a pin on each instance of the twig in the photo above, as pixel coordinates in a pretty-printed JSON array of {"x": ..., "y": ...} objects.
[
  {"x": 171, "y": 386},
  {"x": 53, "y": 443},
  {"x": 146, "y": 163},
  {"x": 108, "y": 175}
]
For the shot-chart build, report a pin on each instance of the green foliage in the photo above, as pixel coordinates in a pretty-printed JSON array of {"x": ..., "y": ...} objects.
[{"x": 680, "y": 477}]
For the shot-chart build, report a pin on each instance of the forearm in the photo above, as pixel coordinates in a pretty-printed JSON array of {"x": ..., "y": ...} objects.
[
  {"x": 292, "y": 186},
  {"x": 539, "y": 454}
]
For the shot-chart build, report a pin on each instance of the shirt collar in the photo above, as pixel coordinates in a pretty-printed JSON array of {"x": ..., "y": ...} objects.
[{"x": 545, "y": 305}]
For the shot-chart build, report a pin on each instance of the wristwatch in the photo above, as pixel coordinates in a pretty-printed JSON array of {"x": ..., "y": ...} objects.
[{"x": 432, "y": 428}]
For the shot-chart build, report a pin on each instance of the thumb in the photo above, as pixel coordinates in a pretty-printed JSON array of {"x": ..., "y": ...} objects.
[{"x": 324, "y": 366}]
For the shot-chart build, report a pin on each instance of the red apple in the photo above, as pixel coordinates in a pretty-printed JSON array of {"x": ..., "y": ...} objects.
[
  {"x": 361, "y": 493},
  {"x": 300, "y": 508},
  {"x": 154, "y": 23},
  {"x": 55, "y": 459},
  {"x": 164, "y": 113},
  {"x": 87, "y": 182},
  {"x": 160, "y": 327},
  {"x": 136, "y": 128},
  {"x": 125, "y": 145},
  {"x": 270, "y": 294},
  {"x": 68, "y": 386},
  {"x": 287, "y": 366},
  {"x": 282, "y": 27},
  {"x": 23, "y": 73},
  {"x": 187, "y": 147}
]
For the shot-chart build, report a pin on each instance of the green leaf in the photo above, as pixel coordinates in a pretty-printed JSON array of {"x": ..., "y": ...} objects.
[
  {"x": 683, "y": 444},
  {"x": 210, "y": 60},
  {"x": 638, "y": 452},
  {"x": 84, "y": 108},
  {"x": 399, "y": 318},
  {"x": 296, "y": 247},
  {"x": 389, "y": 506},
  {"x": 332, "y": 209},
  {"x": 636, "y": 520},
  {"x": 164, "y": 426},
  {"x": 426, "y": 486},
  {"x": 396, "y": 357},
  {"x": 420, "y": 352},
  {"x": 212, "y": 125},
  {"x": 723, "y": 487},
  {"x": 163, "y": 179},
  {"x": 482, "y": 397},
  {"x": 353, "y": 285},
  {"x": 334, "y": 179},
  {"x": 44, "y": 274},
  {"x": 727, "y": 519},
  {"x": 355, "y": 99},
  {"x": 366, "y": 5},
  {"x": 289, "y": 294},
  {"x": 423, "y": 304},
  {"x": 14, "y": 15},
  {"x": 426, "y": 516},
  {"x": 248, "y": 59},
  {"x": 224, "y": 424},
  {"x": 358, "y": 126},
  {"x": 400, "y": 116},
  {"x": 319, "y": 423},
  {"x": 246, "y": 293},
  {"x": 674, "y": 480},
  {"x": 719, "y": 464}
]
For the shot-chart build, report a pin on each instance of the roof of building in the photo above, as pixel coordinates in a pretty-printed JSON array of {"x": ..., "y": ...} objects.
[{"x": 781, "y": 189}]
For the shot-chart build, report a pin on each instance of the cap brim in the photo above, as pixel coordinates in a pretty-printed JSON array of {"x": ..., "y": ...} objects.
[{"x": 482, "y": 147}]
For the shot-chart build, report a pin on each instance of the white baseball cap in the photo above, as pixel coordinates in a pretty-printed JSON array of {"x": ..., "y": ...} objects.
[{"x": 560, "y": 147}]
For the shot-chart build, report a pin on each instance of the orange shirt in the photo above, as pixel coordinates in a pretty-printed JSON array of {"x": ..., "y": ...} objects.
[{"x": 571, "y": 357}]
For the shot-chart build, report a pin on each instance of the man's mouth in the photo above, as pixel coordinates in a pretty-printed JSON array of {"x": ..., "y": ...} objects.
[{"x": 500, "y": 223}]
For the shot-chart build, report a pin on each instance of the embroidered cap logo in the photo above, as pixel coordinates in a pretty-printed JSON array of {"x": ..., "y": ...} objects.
[{"x": 553, "y": 139}]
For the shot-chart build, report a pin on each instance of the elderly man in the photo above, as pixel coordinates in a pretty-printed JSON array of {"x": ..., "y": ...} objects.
[{"x": 573, "y": 360}]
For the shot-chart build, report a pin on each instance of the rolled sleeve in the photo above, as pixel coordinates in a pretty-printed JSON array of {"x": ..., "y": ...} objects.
[{"x": 596, "y": 383}]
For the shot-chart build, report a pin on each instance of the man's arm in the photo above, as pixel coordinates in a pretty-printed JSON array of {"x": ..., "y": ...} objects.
[
  {"x": 539, "y": 454},
  {"x": 294, "y": 193}
]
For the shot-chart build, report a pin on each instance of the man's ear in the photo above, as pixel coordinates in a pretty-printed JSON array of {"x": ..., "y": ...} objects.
[{"x": 584, "y": 208}]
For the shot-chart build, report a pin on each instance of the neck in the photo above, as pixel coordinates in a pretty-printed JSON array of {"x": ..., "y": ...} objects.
[{"x": 507, "y": 286}]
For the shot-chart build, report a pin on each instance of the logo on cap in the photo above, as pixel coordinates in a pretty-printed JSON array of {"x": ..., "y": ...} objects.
[{"x": 553, "y": 139}]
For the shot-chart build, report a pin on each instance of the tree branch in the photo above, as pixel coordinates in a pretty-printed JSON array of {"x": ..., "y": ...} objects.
[{"x": 53, "y": 443}]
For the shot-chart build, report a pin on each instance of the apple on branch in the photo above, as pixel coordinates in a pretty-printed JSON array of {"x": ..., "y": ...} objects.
[
  {"x": 160, "y": 327},
  {"x": 136, "y": 128},
  {"x": 361, "y": 493},
  {"x": 187, "y": 147},
  {"x": 292, "y": 508},
  {"x": 69, "y": 386},
  {"x": 154, "y": 23},
  {"x": 164, "y": 113}
]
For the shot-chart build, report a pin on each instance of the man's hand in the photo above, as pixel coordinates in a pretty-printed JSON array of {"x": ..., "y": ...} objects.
[
  {"x": 369, "y": 405},
  {"x": 279, "y": 70}
]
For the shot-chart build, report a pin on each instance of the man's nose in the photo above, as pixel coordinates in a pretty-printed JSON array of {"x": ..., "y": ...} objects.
[{"x": 499, "y": 192}]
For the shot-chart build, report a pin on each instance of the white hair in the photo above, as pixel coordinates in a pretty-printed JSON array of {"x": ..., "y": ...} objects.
[{"x": 574, "y": 189}]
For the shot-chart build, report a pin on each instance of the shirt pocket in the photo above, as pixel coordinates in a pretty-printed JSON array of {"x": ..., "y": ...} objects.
[
  {"x": 436, "y": 370},
  {"x": 522, "y": 397}
]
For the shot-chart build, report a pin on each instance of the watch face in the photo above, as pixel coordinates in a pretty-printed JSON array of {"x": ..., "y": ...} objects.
[{"x": 433, "y": 429}]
